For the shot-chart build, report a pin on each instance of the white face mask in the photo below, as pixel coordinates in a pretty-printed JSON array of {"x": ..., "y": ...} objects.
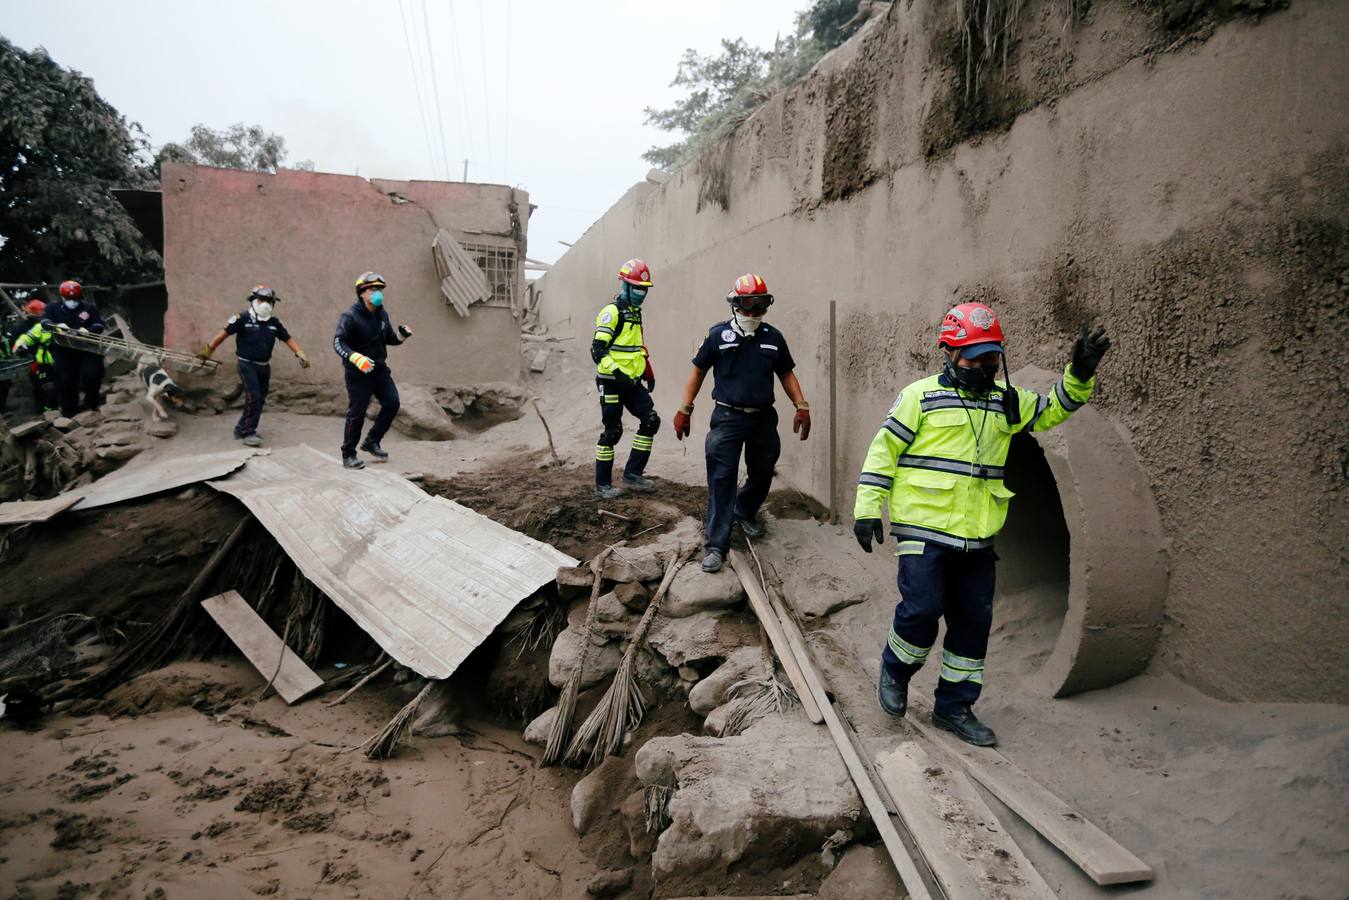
[
  {"x": 263, "y": 310},
  {"x": 71, "y": 304},
  {"x": 746, "y": 323}
]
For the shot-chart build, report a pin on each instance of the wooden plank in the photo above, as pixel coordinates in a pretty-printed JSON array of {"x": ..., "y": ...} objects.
[
  {"x": 860, "y": 773},
  {"x": 942, "y": 805},
  {"x": 274, "y": 660},
  {"x": 1096, "y": 853},
  {"x": 759, "y": 602}
]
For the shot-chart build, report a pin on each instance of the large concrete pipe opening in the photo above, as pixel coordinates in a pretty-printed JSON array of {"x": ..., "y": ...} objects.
[{"x": 1083, "y": 579}]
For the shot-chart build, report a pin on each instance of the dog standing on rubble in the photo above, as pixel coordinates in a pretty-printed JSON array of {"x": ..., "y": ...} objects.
[{"x": 159, "y": 387}]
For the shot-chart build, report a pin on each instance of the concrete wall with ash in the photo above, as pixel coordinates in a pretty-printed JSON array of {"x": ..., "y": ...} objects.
[
  {"x": 1192, "y": 198},
  {"x": 309, "y": 235}
]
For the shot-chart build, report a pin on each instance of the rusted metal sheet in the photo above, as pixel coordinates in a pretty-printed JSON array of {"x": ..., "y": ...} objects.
[
  {"x": 428, "y": 579},
  {"x": 128, "y": 484},
  {"x": 462, "y": 281},
  {"x": 154, "y": 476}
]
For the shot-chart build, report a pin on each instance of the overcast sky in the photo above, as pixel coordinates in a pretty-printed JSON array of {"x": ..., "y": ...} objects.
[{"x": 563, "y": 119}]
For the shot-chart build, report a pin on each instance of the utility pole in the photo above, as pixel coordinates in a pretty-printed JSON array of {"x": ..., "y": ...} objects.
[{"x": 465, "y": 170}]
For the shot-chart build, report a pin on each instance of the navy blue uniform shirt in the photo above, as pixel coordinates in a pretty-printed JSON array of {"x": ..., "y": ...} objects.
[
  {"x": 364, "y": 332},
  {"x": 254, "y": 338},
  {"x": 84, "y": 315},
  {"x": 743, "y": 368}
]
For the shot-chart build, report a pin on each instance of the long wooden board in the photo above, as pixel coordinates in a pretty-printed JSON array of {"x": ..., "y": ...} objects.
[
  {"x": 1096, "y": 853},
  {"x": 763, "y": 608},
  {"x": 942, "y": 804},
  {"x": 20, "y": 512},
  {"x": 293, "y": 679}
]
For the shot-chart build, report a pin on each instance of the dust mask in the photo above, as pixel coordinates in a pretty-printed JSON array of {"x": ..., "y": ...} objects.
[
  {"x": 71, "y": 304},
  {"x": 377, "y": 299},
  {"x": 262, "y": 310},
  {"x": 746, "y": 323}
]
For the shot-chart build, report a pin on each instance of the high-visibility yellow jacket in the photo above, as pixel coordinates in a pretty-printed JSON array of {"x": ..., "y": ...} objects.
[
  {"x": 39, "y": 340},
  {"x": 938, "y": 459},
  {"x": 621, "y": 328}
]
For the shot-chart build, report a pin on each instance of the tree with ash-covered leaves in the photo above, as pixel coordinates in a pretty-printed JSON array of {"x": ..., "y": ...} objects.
[{"x": 240, "y": 146}]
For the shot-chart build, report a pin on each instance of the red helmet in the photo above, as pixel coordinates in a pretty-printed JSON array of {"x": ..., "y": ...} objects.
[
  {"x": 71, "y": 289},
  {"x": 634, "y": 271},
  {"x": 35, "y": 307},
  {"x": 750, "y": 294},
  {"x": 972, "y": 328}
]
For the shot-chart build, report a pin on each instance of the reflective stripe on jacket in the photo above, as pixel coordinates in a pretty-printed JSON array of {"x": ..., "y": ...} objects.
[
  {"x": 39, "y": 340},
  {"x": 938, "y": 459},
  {"x": 621, "y": 328}
]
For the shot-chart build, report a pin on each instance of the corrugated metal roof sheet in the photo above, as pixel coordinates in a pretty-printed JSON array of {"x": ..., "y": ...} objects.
[
  {"x": 428, "y": 579},
  {"x": 462, "y": 281}
]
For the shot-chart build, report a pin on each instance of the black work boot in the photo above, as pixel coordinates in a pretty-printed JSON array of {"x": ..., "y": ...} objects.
[
  {"x": 351, "y": 462},
  {"x": 607, "y": 492},
  {"x": 638, "y": 483},
  {"x": 714, "y": 559},
  {"x": 374, "y": 449},
  {"x": 893, "y": 695},
  {"x": 966, "y": 726}
]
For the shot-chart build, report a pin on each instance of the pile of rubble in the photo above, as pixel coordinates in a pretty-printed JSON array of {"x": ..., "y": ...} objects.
[{"x": 765, "y": 790}]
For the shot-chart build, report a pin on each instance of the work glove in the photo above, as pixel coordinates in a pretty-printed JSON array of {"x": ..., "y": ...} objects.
[
  {"x": 304, "y": 360},
  {"x": 362, "y": 362},
  {"x": 649, "y": 377},
  {"x": 598, "y": 350},
  {"x": 682, "y": 420},
  {"x": 868, "y": 530},
  {"x": 1091, "y": 345},
  {"x": 404, "y": 332},
  {"x": 205, "y": 352},
  {"x": 801, "y": 423}
]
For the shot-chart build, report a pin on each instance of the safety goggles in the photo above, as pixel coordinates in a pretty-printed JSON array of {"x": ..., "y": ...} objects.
[
  {"x": 752, "y": 304},
  {"x": 264, "y": 294}
]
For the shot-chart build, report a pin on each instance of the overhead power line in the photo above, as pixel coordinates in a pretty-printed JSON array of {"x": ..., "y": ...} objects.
[
  {"x": 435, "y": 83},
  {"x": 417, "y": 86},
  {"x": 459, "y": 65},
  {"x": 486, "y": 96}
]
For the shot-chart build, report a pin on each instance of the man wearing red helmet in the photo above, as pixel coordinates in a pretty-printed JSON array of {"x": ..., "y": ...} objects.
[
  {"x": 29, "y": 336},
  {"x": 76, "y": 370},
  {"x": 625, "y": 378},
  {"x": 744, "y": 354},
  {"x": 937, "y": 462}
]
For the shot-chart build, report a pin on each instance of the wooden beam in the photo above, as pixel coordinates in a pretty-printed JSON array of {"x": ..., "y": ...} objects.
[
  {"x": 1096, "y": 853},
  {"x": 275, "y": 661},
  {"x": 759, "y": 602},
  {"x": 944, "y": 809}
]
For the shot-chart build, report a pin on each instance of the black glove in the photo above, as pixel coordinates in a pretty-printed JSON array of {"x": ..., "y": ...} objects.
[
  {"x": 1087, "y": 352},
  {"x": 598, "y": 350},
  {"x": 868, "y": 530}
]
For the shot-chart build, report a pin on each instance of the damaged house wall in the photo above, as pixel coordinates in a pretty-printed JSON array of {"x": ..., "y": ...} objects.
[
  {"x": 1192, "y": 198},
  {"x": 309, "y": 235}
]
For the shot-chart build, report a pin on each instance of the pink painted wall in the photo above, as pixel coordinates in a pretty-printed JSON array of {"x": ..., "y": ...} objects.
[{"x": 309, "y": 235}]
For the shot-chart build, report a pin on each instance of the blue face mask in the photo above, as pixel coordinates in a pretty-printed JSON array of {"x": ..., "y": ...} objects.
[
  {"x": 635, "y": 295},
  {"x": 377, "y": 298}
]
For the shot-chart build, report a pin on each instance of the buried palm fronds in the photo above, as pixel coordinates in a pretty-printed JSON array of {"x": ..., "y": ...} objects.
[
  {"x": 362, "y": 676},
  {"x": 308, "y": 618},
  {"x": 656, "y": 805},
  {"x": 383, "y": 744},
  {"x": 621, "y": 708},
  {"x": 540, "y": 628},
  {"x": 750, "y": 699},
  {"x": 566, "y": 704},
  {"x": 158, "y": 644}
]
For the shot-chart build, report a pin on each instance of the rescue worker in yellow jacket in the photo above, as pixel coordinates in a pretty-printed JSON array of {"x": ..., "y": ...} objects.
[
  {"x": 625, "y": 379},
  {"x": 937, "y": 461}
]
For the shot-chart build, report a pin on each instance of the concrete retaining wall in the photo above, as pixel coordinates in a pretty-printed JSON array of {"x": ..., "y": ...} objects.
[{"x": 1193, "y": 200}]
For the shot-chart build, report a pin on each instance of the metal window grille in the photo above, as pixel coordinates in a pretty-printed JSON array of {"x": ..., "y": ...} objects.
[{"x": 498, "y": 264}]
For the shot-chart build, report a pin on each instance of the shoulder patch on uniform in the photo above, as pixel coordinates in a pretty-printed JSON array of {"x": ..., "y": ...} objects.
[
  {"x": 727, "y": 335},
  {"x": 898, "y": 399},
  {"x": 606, "y": 317},
  {"x": 231, "y": 320}
]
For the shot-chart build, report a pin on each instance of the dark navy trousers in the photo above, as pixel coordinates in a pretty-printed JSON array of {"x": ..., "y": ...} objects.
[
  {"x": 77, "y": 371},
  {"x": 938, "y": 582},
  {"x": 360, "y": 388},
  {"x": 257, "y": 379},
  {"x": 730, "y": 432}
]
